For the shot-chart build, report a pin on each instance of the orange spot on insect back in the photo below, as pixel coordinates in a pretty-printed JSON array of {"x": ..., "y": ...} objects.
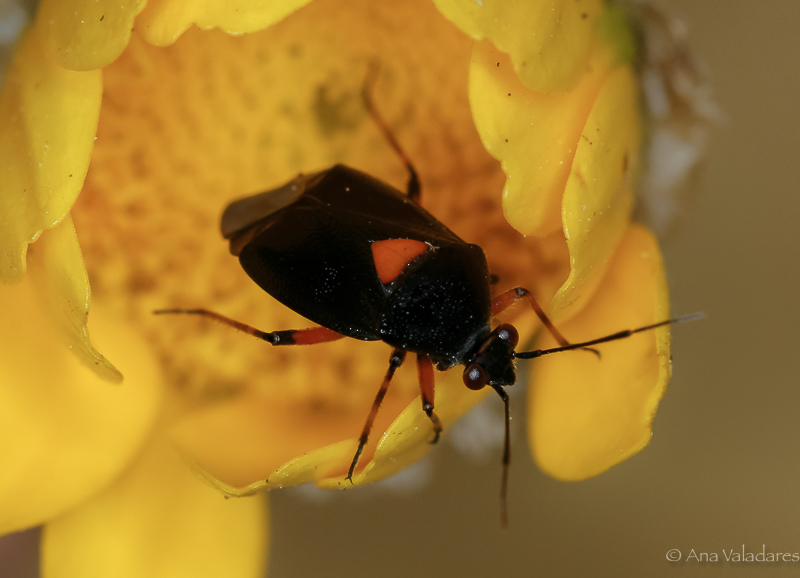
[{"x": 393, "y": 255}]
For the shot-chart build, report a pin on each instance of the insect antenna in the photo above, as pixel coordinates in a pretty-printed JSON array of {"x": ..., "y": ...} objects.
[
  {"x": 569, "y": 347},
  {"x": 506, "y": 458},
  {"x": 613, "y": 337}
]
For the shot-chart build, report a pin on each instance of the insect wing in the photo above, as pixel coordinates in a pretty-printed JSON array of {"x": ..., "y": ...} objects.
[
  {"x": 381, "y": 207},
  {"x": 314, "y": 255},
  {"x": 241, "y": 219}
]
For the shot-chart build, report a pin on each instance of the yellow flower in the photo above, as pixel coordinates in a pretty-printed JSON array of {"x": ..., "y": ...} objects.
[{"x": 158, "y": 124}]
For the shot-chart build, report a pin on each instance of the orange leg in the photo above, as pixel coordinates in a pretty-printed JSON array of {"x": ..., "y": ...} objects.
[
  {"x": 395, "y": 361},
  {"x": 287, "y": 337},
  {"x": 426, "y": 387},
  {"x": 505, "y": 300}
]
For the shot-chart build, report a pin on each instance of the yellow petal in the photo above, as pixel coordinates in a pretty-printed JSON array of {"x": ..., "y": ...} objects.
[
  {"x": 588, "y": 414},
  {"x": 163, "y": 21},
  {"x": 158, "y": 520},
  {"x": 59, "y": 276},
  {"x": 254, "y": 438},
  {"x": 49, "y": 118},
  {"x": 288, "y": 443},
  {"x": 599, "y": 193},
  {"x": 64, "y": 433},
  {"x": 533, "y": 134},
  {"x": 549, "y": 41},
  {"x": 86, "y": 34}
]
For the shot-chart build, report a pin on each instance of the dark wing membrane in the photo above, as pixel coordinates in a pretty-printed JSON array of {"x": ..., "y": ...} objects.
[
  {"x": 314, "y": 255},
  {"x": 241, "y": 217},
  {"x": 392, "y": 214},
  {"x": 312, "y": 264}
]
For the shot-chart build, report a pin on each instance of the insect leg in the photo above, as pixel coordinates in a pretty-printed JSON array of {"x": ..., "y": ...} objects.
[
  {"x": 287, "y": 337},
  {"x": 413, "y": 187},
  {"x": 426, "y": 387},
  {"x": 505, "y": 300},
  {"x": 395, "y": 361}
]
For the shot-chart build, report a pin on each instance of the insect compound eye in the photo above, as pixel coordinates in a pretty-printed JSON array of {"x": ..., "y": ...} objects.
[
  {"x": 508, "y": 333},
  {"x": 475, "y": 377}
]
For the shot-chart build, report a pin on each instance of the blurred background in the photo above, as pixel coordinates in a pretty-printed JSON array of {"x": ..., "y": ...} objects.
[{"x": 722, "y": 471}]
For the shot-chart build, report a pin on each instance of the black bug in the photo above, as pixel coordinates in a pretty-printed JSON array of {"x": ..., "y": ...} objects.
[{"x": 364, "y": 260}]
